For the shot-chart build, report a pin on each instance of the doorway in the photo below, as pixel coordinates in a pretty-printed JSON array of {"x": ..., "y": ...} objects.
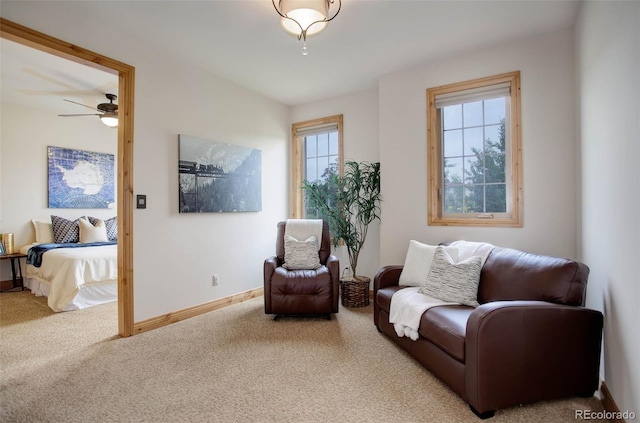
[{"x": 125, "y": 201}]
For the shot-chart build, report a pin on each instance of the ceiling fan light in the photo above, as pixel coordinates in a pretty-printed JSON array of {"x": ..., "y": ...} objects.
[{"x": 110, "y": 119}]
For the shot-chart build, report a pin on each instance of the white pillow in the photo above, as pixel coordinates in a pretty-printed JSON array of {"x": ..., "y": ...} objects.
[
  {"x": 300, "y": 255},
  {"x": 451, "y": 281},
  {"x": 91, "y": 233},
  {"x": 44, "y": 231},
  {"x": 418, "y": 262}
]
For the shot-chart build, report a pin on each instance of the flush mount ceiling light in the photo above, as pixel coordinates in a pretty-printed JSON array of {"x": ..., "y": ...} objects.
[{"x": 304, "y": 18}]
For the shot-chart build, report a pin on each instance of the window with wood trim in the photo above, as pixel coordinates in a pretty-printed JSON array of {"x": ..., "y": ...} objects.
[
  {"x": 474, "y": 152},
  {"x": 316, "y": 154}
]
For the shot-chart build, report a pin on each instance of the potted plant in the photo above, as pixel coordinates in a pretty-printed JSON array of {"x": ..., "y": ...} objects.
[{"x": 349, "y": 202}]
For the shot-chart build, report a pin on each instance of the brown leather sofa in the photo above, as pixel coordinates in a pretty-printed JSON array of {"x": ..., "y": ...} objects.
[
  {"x": 302, "y": 292},
  {"x": 530, "y": 339}
]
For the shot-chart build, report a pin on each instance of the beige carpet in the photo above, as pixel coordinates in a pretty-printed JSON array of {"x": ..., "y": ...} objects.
[{"x": 230, "y": 365}]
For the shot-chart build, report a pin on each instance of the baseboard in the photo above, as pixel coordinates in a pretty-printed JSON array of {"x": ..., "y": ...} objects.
[
  {"x": 609, "y": 404},
  {"x": 187, "y": 313}
]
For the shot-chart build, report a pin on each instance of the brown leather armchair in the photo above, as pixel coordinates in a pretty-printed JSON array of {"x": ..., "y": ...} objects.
[{"x": 302, "y": 292}]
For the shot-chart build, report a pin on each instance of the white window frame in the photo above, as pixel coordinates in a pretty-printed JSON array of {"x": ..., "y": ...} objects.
[
  {"x": 435, "y": 151},
  {"x": 298, "y": 132}
]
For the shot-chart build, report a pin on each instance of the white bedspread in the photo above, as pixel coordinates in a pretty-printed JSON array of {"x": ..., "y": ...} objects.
[
  {"x": 406, "y": 310},
  {"x": 68, "y": 270}
]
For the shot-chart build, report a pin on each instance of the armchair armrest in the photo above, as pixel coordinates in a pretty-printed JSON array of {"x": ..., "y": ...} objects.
[
  {"x": 333, "y": 264},
  {"x": 517, "y": 352},
  {"x": 270, "y": 266},
  {"x": 387, "y": 276}
]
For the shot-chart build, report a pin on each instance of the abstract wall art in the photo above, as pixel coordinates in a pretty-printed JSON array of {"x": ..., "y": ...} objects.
[{"x": 80, "y": 179}]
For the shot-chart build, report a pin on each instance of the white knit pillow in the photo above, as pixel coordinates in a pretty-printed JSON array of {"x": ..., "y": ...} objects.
[
  {"x": 454, "y": 282},
  {"x": 301, "y": 254},
  {"x": 91, "y": 233}
]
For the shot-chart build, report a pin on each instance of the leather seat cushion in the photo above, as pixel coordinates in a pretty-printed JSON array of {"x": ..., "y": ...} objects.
[{"x": 446, "y": 327}]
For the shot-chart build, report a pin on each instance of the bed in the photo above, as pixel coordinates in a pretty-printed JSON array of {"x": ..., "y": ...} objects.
[{"x": 72, "y": 275}]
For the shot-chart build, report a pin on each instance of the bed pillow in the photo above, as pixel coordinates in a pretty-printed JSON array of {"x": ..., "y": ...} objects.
[
  {"x": 111, "y": 224},
  {"x": 301, "y": 254},
  {"x": 418, "y": 262},
  {"x": 43, "y": 230},
  {"x": 64, "y": 230},
  {"x": 451, "y": 281},
  {"x": 92, "y": 232}
]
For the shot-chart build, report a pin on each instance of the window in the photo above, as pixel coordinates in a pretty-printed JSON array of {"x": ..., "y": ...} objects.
[
  {"x": 473, "y": 144},
  {"x": 316, "y": 154}
]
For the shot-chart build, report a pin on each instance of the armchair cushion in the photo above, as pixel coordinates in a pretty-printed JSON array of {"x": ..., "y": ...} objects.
[{"x": 300, "y": 254}]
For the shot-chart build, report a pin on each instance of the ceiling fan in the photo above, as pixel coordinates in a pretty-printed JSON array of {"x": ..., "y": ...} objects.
[{"x": 108, "y": 111}]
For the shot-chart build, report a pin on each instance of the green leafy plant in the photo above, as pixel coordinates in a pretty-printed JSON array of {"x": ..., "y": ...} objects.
[{"x": 349, "y": 203}]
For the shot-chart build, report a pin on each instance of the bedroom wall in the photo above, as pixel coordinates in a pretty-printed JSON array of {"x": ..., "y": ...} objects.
[
  {"x": 608, "y": 83},
  {"x": 548, "y": 144},
  {"x": 175, "y": 255},
  {"x": 361, "y": 143},
  {"x": 26, "y": 132}
]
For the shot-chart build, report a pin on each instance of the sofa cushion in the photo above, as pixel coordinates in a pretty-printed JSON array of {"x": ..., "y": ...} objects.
[
  {"x": 454, "y": 282},
  {"x": 383, "y": 297},
  {"x": 418, "y": 263},
  {"x": 446, "y": 327},
  {"x": 510, "y": 274}
]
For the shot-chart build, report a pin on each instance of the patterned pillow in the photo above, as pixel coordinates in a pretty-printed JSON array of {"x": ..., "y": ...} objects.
[
  {"x": 301, "y": 254},
  {"x": 455, "y": 282},
  {"x": 112, "y": 226},
  {"x": 65, "y": 231}
]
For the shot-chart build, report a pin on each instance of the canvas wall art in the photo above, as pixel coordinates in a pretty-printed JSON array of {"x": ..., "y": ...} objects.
[
  {"x": 218, "y": 177},
  {"x": 80, "y": 179}
]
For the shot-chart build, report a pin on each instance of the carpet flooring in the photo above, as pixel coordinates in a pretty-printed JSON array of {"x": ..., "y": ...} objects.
[{"x": 231, "y": 365}]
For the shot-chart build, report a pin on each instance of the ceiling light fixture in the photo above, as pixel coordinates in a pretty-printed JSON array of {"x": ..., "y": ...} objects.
[
  {"x": 110, "y": 119},
  {"x": 304, "y": 18}
]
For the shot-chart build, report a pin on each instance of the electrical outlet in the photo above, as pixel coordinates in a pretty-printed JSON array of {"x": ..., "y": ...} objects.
[{"x": 215, "y": 280}]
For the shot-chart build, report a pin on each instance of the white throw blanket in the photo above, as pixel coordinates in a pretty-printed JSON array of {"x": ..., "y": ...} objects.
[
  {"x": 301, "y": 229},
  {"x": 468, "y": 249},
  {"x": 407, "y": 307}
]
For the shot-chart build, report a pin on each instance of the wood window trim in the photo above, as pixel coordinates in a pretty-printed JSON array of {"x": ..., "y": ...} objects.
[
  {"x": 126, "y": 77},
  {"x": 297, "y": 194},
  {"x": 434, "y": 155}
]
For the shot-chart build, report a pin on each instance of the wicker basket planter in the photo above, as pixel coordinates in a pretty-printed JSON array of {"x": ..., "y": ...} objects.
[{"x": 355, "y": 292}]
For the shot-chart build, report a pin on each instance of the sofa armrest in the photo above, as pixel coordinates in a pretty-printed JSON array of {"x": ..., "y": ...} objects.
[
  {"x": 387, "y": 276},
  {"x": 517, "y": 352}
]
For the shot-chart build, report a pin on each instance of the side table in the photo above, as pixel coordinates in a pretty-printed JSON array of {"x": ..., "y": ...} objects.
[{"x": 15, "y": 276}]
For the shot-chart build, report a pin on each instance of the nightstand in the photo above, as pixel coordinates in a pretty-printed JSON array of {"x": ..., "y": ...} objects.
[{"x": 15, "y": 276}]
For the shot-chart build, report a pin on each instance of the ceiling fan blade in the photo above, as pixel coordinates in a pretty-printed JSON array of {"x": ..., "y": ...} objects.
[
  {"x": 80, "y": 104},
  {"x": 94, "y": 114}
]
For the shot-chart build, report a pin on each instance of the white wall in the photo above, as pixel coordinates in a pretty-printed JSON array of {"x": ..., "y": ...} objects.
[
  {"x": 548, "y": 143},
  {"x": 608, "y": 80},
  {"x": 175, "y": 255},
  {"x": 361, "y": 143},
  {"x": 25, "y": 135}
]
